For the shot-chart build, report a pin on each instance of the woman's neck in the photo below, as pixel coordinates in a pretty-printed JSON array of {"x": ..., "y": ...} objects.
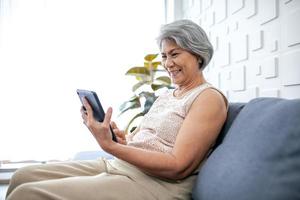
[{"x": 183, "y": 89}]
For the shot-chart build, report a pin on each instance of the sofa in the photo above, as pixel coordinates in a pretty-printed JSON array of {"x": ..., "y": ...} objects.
[{"x": 256, "y": 156}]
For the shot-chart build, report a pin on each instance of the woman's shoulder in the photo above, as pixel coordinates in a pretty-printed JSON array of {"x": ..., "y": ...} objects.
[
  {"x": 213, "y": 93},
  {"x": 206, "y": 94},
  {"x": 213, "y": 97}
]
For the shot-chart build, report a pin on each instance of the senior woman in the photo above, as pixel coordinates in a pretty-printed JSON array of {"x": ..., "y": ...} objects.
[{"x": 161, "y": 158}]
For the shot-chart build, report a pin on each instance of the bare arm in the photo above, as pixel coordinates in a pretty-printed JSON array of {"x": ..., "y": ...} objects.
[{"x": 198, "y": 132}]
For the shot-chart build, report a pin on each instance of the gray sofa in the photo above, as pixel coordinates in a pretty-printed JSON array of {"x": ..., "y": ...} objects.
[{"x": 256, "y": 156}]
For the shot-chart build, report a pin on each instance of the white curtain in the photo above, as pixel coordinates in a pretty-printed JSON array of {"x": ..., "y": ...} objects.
[{"x": 48, "y": 49}]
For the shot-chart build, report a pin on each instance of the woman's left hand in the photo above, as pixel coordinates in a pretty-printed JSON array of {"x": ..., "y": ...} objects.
[{"x": 100, "y": 130}]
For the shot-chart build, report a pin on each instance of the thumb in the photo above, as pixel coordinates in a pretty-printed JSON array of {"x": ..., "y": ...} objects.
[{"x": 107, "y": 117}]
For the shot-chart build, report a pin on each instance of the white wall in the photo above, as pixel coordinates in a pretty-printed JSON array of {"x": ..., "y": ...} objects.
[
  {"x": 48, "y": 49},
  {"x": 256, "y": 42}
]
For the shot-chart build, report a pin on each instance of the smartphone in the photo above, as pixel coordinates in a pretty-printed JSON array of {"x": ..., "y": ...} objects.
[{"x": 98, "y": 111}]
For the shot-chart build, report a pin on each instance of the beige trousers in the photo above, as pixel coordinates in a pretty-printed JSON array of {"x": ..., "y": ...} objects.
[{"x": 93, "y": 180}]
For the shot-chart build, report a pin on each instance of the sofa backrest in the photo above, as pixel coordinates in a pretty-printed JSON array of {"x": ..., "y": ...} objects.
[
  {"x": 233, "y": 111},
  {"x": 258, "y": 154}
]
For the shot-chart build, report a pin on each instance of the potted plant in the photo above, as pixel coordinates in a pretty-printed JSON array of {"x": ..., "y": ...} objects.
[{"x": 151, "y": 77}]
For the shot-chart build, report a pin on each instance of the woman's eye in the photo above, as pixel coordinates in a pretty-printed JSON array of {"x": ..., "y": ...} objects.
[{"x": 174, "y": 54}]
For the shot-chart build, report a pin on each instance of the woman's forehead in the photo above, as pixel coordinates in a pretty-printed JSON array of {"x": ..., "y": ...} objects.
[{"x": 169, "y": 45}]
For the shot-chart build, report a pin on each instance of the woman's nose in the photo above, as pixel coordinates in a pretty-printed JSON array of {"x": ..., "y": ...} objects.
[{"x": 169, "y": 62}]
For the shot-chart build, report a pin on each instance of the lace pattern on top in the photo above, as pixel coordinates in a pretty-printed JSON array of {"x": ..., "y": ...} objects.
[{"x": 160, "y": 126}]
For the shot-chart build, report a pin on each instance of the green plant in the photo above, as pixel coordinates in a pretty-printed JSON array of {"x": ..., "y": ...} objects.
[{"x": 150, "y": 78}]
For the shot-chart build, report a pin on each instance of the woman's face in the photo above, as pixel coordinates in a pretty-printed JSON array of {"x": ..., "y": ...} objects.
[{"x": 182, "y": 66}]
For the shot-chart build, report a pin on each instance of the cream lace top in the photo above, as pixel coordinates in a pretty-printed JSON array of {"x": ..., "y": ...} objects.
[{"x": 160, "y": 126}]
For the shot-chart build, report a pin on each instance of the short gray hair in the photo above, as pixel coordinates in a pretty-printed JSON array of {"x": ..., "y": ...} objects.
[{"x": 189, "y": 36}]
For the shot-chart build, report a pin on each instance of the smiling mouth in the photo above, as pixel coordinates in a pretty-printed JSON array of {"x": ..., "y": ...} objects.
[{"x": 174, "y": 73}]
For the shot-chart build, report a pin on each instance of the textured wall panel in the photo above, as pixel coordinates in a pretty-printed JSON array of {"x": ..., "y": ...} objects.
[
  {"x": 239, "y": 47},
  {"x": 235, "y": 5},
  {"x": 273, "y": 45},
  {"x": 251, "y": 93},
  {"x": 256, "y": 40},
  {"x": 220, "y": 10},
  {"x": 214, "y": 77},
  {"x": 291, "y": 70},
  {"x": 206, "y": 4},
  {"x": 238, "y": 78},
  {"x": 288, "y": 1},
  {"x": 225, "y": 78},
  {"x": 250, "y": 9},
  {"x": 190, "y": 3},
  {"x": 257, "y": 70},
  {"x": 210, "y": 18},
  {"x": 291, "y": 92},
  {"x": 194, "y": 9},
  {"x": 268, "y": 10},
  {"x": 292, "y": 28},
  {"x": 270, "y": 93},
  {"x": 270, "y": 68},
  {"x": 233, "y": 26},
  {"x": 257, "y": 47},
  {"x": 244, "y": 96},
  {"x": 215, "y": 43},
  {"x": 223, "y": 54}
]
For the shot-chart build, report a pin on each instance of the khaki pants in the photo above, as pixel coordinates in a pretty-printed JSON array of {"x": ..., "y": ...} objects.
[{"x": 93, "y": 180}]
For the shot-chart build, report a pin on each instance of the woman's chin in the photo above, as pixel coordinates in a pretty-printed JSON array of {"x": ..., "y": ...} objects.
[{"x": 175, "y": 81}]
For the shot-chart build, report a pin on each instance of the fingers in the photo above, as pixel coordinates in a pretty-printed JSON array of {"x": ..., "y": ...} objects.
[
  {"x": 119, "y": 133},
  {"x": 113, "y": 125},
  {"x": 88, "y": 119},
  {"x": 107, "y": 117},
  {"x": 116, "y": 130},
  {"x": 87, "y": 113},
  {"x": 83, "y": 114},
  {"x": 88, "y": 108},
  {"x": 121, "y": 140}
]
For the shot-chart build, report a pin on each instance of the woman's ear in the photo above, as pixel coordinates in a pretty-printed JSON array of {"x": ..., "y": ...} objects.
[{"x": 200, "y": 62}]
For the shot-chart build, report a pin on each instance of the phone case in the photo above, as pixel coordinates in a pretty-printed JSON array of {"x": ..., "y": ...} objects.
[{"x": 98, "y": 111}]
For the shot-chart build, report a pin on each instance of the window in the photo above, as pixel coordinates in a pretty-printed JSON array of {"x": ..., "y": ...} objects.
[{"x": 48, "y": 49}]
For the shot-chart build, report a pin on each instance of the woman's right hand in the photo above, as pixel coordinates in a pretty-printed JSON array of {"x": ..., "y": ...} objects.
[{"x": 119, "y": 133}]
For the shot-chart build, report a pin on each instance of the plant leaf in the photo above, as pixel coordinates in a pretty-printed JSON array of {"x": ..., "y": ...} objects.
[
  {"x": 153, "y": 64},
  {"x": 164, "y": 80},
  {"x": 150, "y": 57},
  {"x": 159, "y": 70},
  {"x": 157, "y": 86},
  {"x": 143, "y": 78},
  {"x": 132, "y": 120},
  {"x": 138, "y": 71},
  {"x": 132, "y": 129},
  {"x": 156, "y": 64},
  {"x": 131, "y": 104},
  {"x": 150, "y": 98},
  {"x": 134, "y": 98},
  {"x": 138, "y": 85}
]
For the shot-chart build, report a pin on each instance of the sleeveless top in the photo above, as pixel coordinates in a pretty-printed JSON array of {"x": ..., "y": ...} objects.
[{"x": 159, "y": 127}]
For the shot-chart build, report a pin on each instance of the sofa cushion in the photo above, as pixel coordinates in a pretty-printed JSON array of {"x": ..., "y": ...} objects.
[
  {"x": 233, "y": 111},
  {"x": 259, "y": 157}
]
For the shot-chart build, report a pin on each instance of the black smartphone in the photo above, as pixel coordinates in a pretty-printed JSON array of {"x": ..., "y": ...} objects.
[{"x": 98, "y": 111}]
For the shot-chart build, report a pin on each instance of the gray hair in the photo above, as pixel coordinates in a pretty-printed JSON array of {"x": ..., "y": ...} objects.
[{"x": 189, "y": 36}]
